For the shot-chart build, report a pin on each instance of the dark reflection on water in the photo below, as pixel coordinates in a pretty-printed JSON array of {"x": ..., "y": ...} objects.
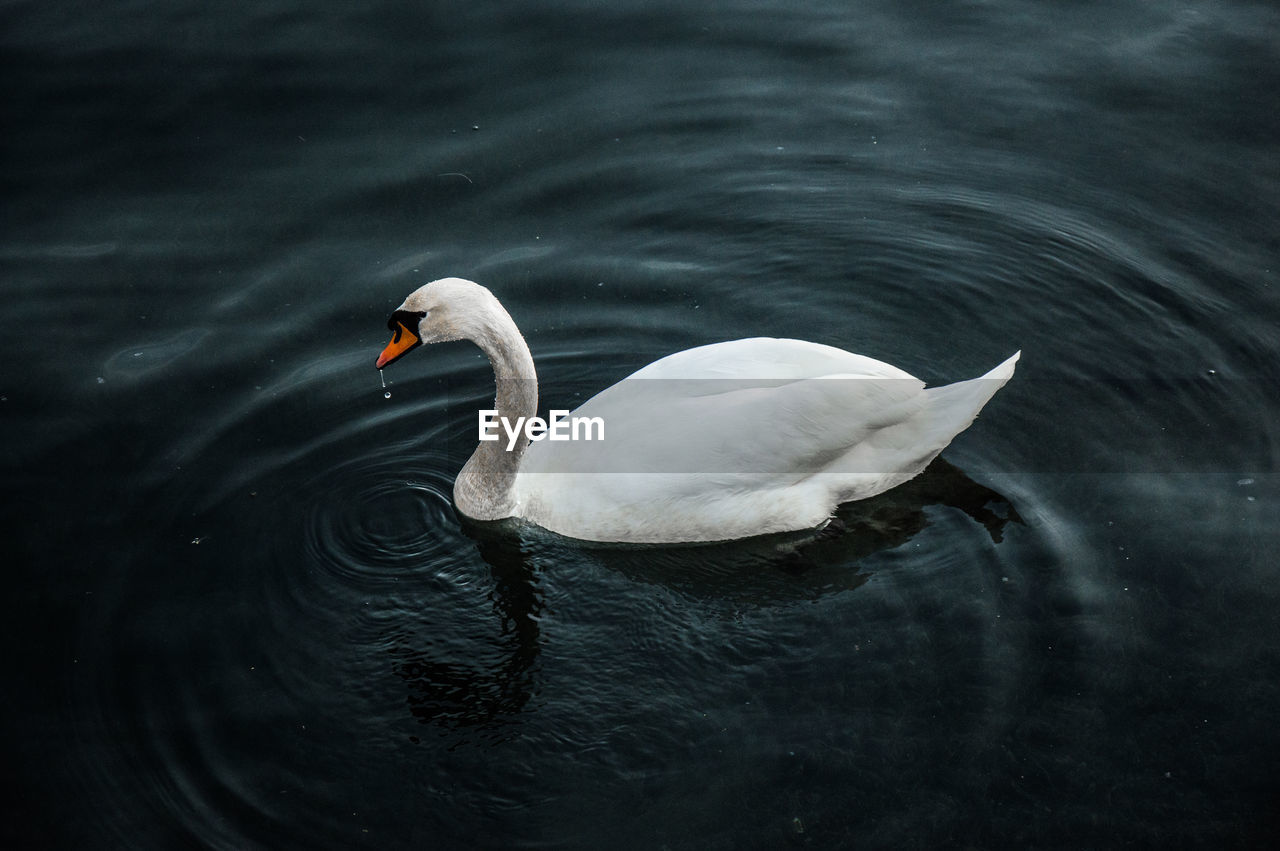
[
  {"x": 462, "y": 694},
  {"x": 490, "y": 694},
  {"x": 240, "y": 610}
]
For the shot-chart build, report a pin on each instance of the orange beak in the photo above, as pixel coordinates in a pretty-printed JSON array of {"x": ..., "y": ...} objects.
[{"x": 401, "y": 344}]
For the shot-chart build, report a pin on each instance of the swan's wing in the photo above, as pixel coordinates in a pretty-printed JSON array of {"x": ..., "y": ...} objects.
[
  {"x": 772, "y": 427},
  {"x": 767, "y": 406}
]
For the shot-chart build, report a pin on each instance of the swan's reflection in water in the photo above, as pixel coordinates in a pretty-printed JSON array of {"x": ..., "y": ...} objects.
[
  {"x": 489, "y": 698},
  {"x": 894, "y": 517},
  {"x": 472, "y": 694}
]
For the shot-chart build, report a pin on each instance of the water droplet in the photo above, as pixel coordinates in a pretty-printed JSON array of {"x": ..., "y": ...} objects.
[{"x": 386, "y": 394}]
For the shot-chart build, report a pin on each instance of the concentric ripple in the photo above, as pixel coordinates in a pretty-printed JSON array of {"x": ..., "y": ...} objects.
[{"x": 370, "y": 516}]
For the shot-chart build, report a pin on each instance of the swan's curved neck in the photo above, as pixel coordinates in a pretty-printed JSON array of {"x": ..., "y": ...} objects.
[{"x": 483, "y": 489}]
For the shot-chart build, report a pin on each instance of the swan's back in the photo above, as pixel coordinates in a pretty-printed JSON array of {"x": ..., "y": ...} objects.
[
  {"x": 742, "y": 438},
  {"x": 766, "y": 359}
]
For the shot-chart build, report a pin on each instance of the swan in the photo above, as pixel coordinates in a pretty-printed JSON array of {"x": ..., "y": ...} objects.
[{"x": 714, "y": 443}]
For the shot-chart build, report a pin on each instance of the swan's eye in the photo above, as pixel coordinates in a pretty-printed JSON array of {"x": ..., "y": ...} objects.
[{"x": 404, "y": 318}]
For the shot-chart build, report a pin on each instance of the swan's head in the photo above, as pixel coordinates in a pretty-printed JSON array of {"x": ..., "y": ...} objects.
[{"x": 443, "y": 310}]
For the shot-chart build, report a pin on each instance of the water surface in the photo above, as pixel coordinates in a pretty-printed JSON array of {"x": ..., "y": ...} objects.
[{"x": 242, "y": 611}]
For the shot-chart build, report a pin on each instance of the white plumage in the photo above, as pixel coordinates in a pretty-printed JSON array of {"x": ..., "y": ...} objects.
[{"x": 718, "y": 442}]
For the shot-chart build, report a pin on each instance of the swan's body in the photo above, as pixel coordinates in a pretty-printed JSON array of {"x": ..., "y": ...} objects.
[{"x": 718, "y": 442}]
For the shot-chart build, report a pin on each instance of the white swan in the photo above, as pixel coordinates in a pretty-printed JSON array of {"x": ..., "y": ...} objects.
[{"x": 718, "y": 442}]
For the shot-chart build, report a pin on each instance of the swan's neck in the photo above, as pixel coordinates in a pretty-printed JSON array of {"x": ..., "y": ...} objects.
[{"x": 483, "y": 489}]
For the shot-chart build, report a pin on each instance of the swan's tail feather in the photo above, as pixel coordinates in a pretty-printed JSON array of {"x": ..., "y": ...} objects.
[{"x": 955, "y": 406}]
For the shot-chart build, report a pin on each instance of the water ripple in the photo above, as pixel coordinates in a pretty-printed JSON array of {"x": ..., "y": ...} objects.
[{"x": 371, "y": 515}]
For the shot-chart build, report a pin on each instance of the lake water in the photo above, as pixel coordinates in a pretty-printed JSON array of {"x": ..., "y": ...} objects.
[{"x": 241, "y": 611}]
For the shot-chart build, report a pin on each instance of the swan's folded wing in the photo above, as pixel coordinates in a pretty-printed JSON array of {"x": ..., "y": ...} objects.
[{"x": 771, "y": 428}]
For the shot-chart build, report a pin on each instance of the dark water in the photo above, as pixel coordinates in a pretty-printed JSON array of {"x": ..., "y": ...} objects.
[{"x": 241, "y": 612}]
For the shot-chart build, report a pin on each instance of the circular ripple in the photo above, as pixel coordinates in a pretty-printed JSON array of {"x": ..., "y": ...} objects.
[{"x": 370, "y": 517}]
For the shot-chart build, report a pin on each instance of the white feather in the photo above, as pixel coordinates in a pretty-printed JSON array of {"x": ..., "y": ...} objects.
[{"x": 734, "y": 439}]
